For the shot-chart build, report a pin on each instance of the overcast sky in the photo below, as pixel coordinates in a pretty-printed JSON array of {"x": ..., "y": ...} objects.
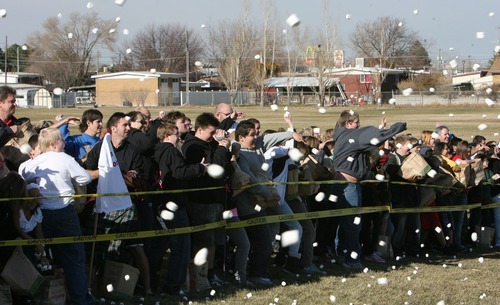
[{"x": 449, "y": 25}]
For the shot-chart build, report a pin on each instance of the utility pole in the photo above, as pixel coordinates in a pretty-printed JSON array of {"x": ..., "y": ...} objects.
[
  {"x": 440, "y": 58},
  {"x": 5, "y": 53},
  {"x": 187, "y": 68}
]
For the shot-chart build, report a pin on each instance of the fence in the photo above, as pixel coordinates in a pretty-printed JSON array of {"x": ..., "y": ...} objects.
[{"x": 250, "y": 97}]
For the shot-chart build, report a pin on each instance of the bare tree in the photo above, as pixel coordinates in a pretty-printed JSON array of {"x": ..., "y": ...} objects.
[
  {"x": 385, "y": 41},
  {"x": 65, "y": 53},
  {"x": 160, "y": 47},
  {"x": 232, "y": 46}
]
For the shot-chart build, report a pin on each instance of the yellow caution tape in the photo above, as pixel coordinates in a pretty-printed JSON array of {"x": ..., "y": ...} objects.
[{"x": 239, "y": 224}]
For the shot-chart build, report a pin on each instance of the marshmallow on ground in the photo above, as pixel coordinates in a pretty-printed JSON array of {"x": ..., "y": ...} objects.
[
  {"x": 382, "y": 281},
  {"x": 274, "y": 107}
]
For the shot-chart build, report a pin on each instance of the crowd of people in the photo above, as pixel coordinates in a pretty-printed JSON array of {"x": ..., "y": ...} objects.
[{"x": 48, "y": 165}]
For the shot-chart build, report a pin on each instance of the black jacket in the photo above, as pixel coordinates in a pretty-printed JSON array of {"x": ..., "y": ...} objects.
[
  {"x": 350, "y": 144},
  {"x": 127, "y": 156},
  {"x": 5, "y": 132},
  {"x": 402, "y": 195},
  {"x": 194, "y": 150},
  {"x": 144, "y": 143},
  {"x": 174, "y": 172}
]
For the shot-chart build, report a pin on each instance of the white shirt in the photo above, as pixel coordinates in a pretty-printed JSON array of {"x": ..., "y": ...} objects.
[
  {"x": 29, "y": 225},
  {"x": 53, "y": 172}
]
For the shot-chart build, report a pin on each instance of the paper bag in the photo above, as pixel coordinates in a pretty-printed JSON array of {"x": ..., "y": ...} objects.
[{"x": 21, "y": 275}]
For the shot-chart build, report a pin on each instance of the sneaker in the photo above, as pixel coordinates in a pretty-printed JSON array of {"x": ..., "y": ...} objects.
[
  {"x": 353, "y": 265},
  {"x": 313, "y": 270},
  {"x": 374, "y": 257},
  {"x": 245, "y": 284},
  {"x": 292, "y": 265},
  {"x": 215, "y": 281},
  {"x": 262, "y": 281}
]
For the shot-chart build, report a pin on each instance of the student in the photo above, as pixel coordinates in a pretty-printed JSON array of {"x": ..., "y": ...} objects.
[
  {"x": 351, "y": 144},
  {"x": 403, "y": 196},
  {"x": 90, "y": 125},
  {"x": 208, "y": 143},
  {"x": 28, "y": 222},
  {"x": 173, "y": 174},
  {"x": 54, "y": 171},
  {"x": 124, "y": 219}
]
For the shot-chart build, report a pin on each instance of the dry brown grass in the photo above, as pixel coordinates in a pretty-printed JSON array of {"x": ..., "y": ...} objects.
[
  {"x": 463, "y": 123},
  {"x": 431, "y": 283}
]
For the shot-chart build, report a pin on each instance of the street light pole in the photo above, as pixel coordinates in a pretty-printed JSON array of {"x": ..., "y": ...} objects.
[
  {"x": 187, "y": 68},
  {"x": 5, "y": 59}
]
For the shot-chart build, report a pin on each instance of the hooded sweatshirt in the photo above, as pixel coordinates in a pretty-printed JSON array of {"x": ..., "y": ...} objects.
[
  {"x": 350, "y": 144},
  {"x": 175, "y": 174}
]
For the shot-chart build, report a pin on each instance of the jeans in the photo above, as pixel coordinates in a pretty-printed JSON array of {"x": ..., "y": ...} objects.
[
  {"x": 284, "y": 209},
  {"x": 496, "y": 213},
  {"x": 308, "y": 234},
  {"x": 64, "y": 223},
  {"x": 240, "y": 238},
  {"x": 260, "y": 246},
  {"x": 458, "y": 219},
  {"x": 349, "y": 196},
  {"x": 180, "y": 247}
]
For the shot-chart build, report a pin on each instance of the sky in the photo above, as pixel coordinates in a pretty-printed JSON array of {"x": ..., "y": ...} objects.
[{"x": 451, "y": 26}]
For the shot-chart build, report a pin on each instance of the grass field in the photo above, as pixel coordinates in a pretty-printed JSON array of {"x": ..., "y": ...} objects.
[
  {"x": 426, "y": 280},
  {"x": 462, "y": 121}
]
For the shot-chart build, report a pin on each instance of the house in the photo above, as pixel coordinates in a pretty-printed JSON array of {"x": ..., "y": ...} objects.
[
  {"x": 22, "y": 78},
  {"x": 132, "y": 88},
  {"x": 301, "y": 86},
  {"x": 362, "y": 83},
  {"x": 478, "y": 80}
]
